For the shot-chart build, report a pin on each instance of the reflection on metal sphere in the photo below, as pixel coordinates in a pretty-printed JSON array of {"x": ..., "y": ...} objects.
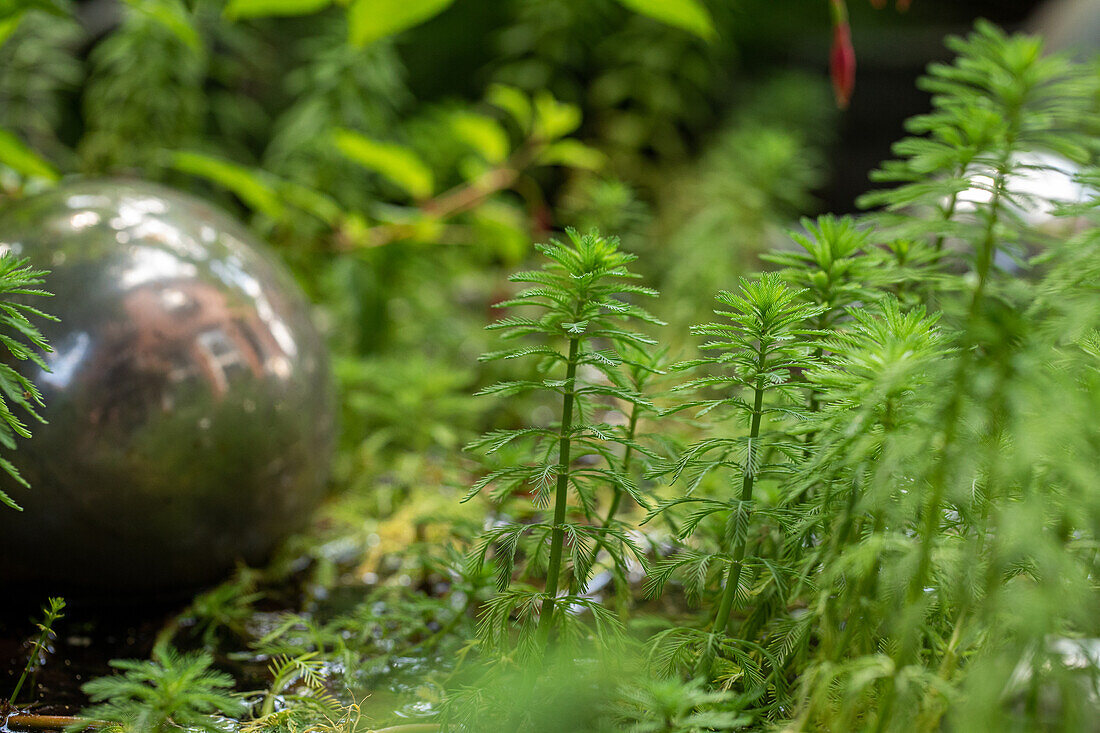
[
  {"x": 1040, "y": 185},
  {"x": 189, "y": 403}
]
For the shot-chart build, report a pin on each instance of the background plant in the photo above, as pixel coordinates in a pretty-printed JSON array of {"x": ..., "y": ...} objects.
[{"x": 920, "y": 550}]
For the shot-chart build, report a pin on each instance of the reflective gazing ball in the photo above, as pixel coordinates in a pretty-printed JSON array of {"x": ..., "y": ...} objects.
[
  {"x": 189, "y": 400},
  {"x": 1041, "y": 183}
]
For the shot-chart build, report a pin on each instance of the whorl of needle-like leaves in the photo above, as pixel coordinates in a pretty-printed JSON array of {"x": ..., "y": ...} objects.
[
  {"x": 24, "y": 342},
  {"x": 883, "y": 353},
  {"x": 833, "y": 266},
  {"x": 755, "y": 362},
  {"x": 172, "y": 691},
  {"x": 577, "y": 312},
  {"x": 1001, "y": 110},
  {"x": 870, "y": 385},
  {"x": 763, "y": 349}
]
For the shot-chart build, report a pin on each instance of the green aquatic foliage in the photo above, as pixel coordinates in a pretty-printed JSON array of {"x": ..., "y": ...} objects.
[
  {"x": 589, "y": 695},
  {"x": 305, "y": 672},
  {"x": 581, "y": 309},
  {"x": 168, "y": 692},
  {"x": 879, "y": 475},
  {"x": 221, "y": 611},
  {"x": 928, "y": 561},
  {"x": 834, "y": 265},
  {"x": 145, "y": 88},
  {"x": 23, "y": 342},
  {"x": 51, "y": 614},
  {"x": 1002, "y": 99},
  {"x": 750, "y": 373},
  {"x": 945, "y": 481},
  {"x": 668, "y": 705}
]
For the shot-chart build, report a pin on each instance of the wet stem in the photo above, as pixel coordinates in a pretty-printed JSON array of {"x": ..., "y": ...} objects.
[
  {"x": 733, "y": 580},
  {"x": 561, "y": 496}
]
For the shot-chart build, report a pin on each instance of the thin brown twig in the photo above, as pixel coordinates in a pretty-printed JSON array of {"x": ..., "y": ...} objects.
[
  {"x": 450, "y": 203},
  {"x": 30, "y": 721}
]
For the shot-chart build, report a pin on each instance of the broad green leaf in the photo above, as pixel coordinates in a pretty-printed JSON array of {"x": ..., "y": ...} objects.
[
  {"x": 17, "y": 8},
  {"x": 554, "y": 119},
  {"x": 473, "y": 167},
  {"x": 247, "y": 183},
  {"x": 688, "y": 15},
  {"x": 574, "y": 154},
  {"x": 504, "y": 228},
  {"x": 17, "y": 156},
  {"x": 512, "y": 101},
  {"x": 369, "y": 20},
  {"x": 264, "y": 8},
  {"x": 173, "y": 16},
  {"x": 425, "y": 229},
  {"x": 8, "y": 26},
  {"x": 483, "y": 134},
  {"x": 397, "y": 163},
  {"x": 311, "y": 201}
]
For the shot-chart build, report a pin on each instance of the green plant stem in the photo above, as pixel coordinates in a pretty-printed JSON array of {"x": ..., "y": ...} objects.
[
  {"x": 725, "y": 606},
  {"x": 268, "y": 705},
  {"x": 814, "y": 405},
  {"x": 947, "y": 214},
  {"x": 561, "y": 496},
  {"x": 52, "y": 614},
  {"x": 628, "y": 455},
  {"x": 986, "y": 252},
  {"x": 938, "y": 480}
]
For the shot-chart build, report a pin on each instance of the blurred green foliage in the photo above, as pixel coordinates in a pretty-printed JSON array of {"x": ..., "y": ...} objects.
[
  {"x": 399, "y": 190},
  {"x": 918, "y": 527}
]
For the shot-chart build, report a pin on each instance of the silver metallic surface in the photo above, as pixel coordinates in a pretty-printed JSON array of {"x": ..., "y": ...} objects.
[{"x": 189, "y": 403}]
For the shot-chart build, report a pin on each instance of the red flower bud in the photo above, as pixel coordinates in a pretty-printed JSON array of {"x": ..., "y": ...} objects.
[{"x": 842, "y": 64}]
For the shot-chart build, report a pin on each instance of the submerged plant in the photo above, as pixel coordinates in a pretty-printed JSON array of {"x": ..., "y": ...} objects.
[
  {"x": 298, "y": 686},
  {"x": 667, "y": 705},
  {"x": 941, "y": 489},
  {"x": 582, "y": 312},
  {"x": 169, "y": 692},
  {"x": 759, "y": 353},
  {"x": 889, "y": 507}
]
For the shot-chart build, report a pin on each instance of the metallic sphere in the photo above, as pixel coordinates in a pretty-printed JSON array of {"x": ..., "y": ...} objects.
[{"x": 189, "y": 400}]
